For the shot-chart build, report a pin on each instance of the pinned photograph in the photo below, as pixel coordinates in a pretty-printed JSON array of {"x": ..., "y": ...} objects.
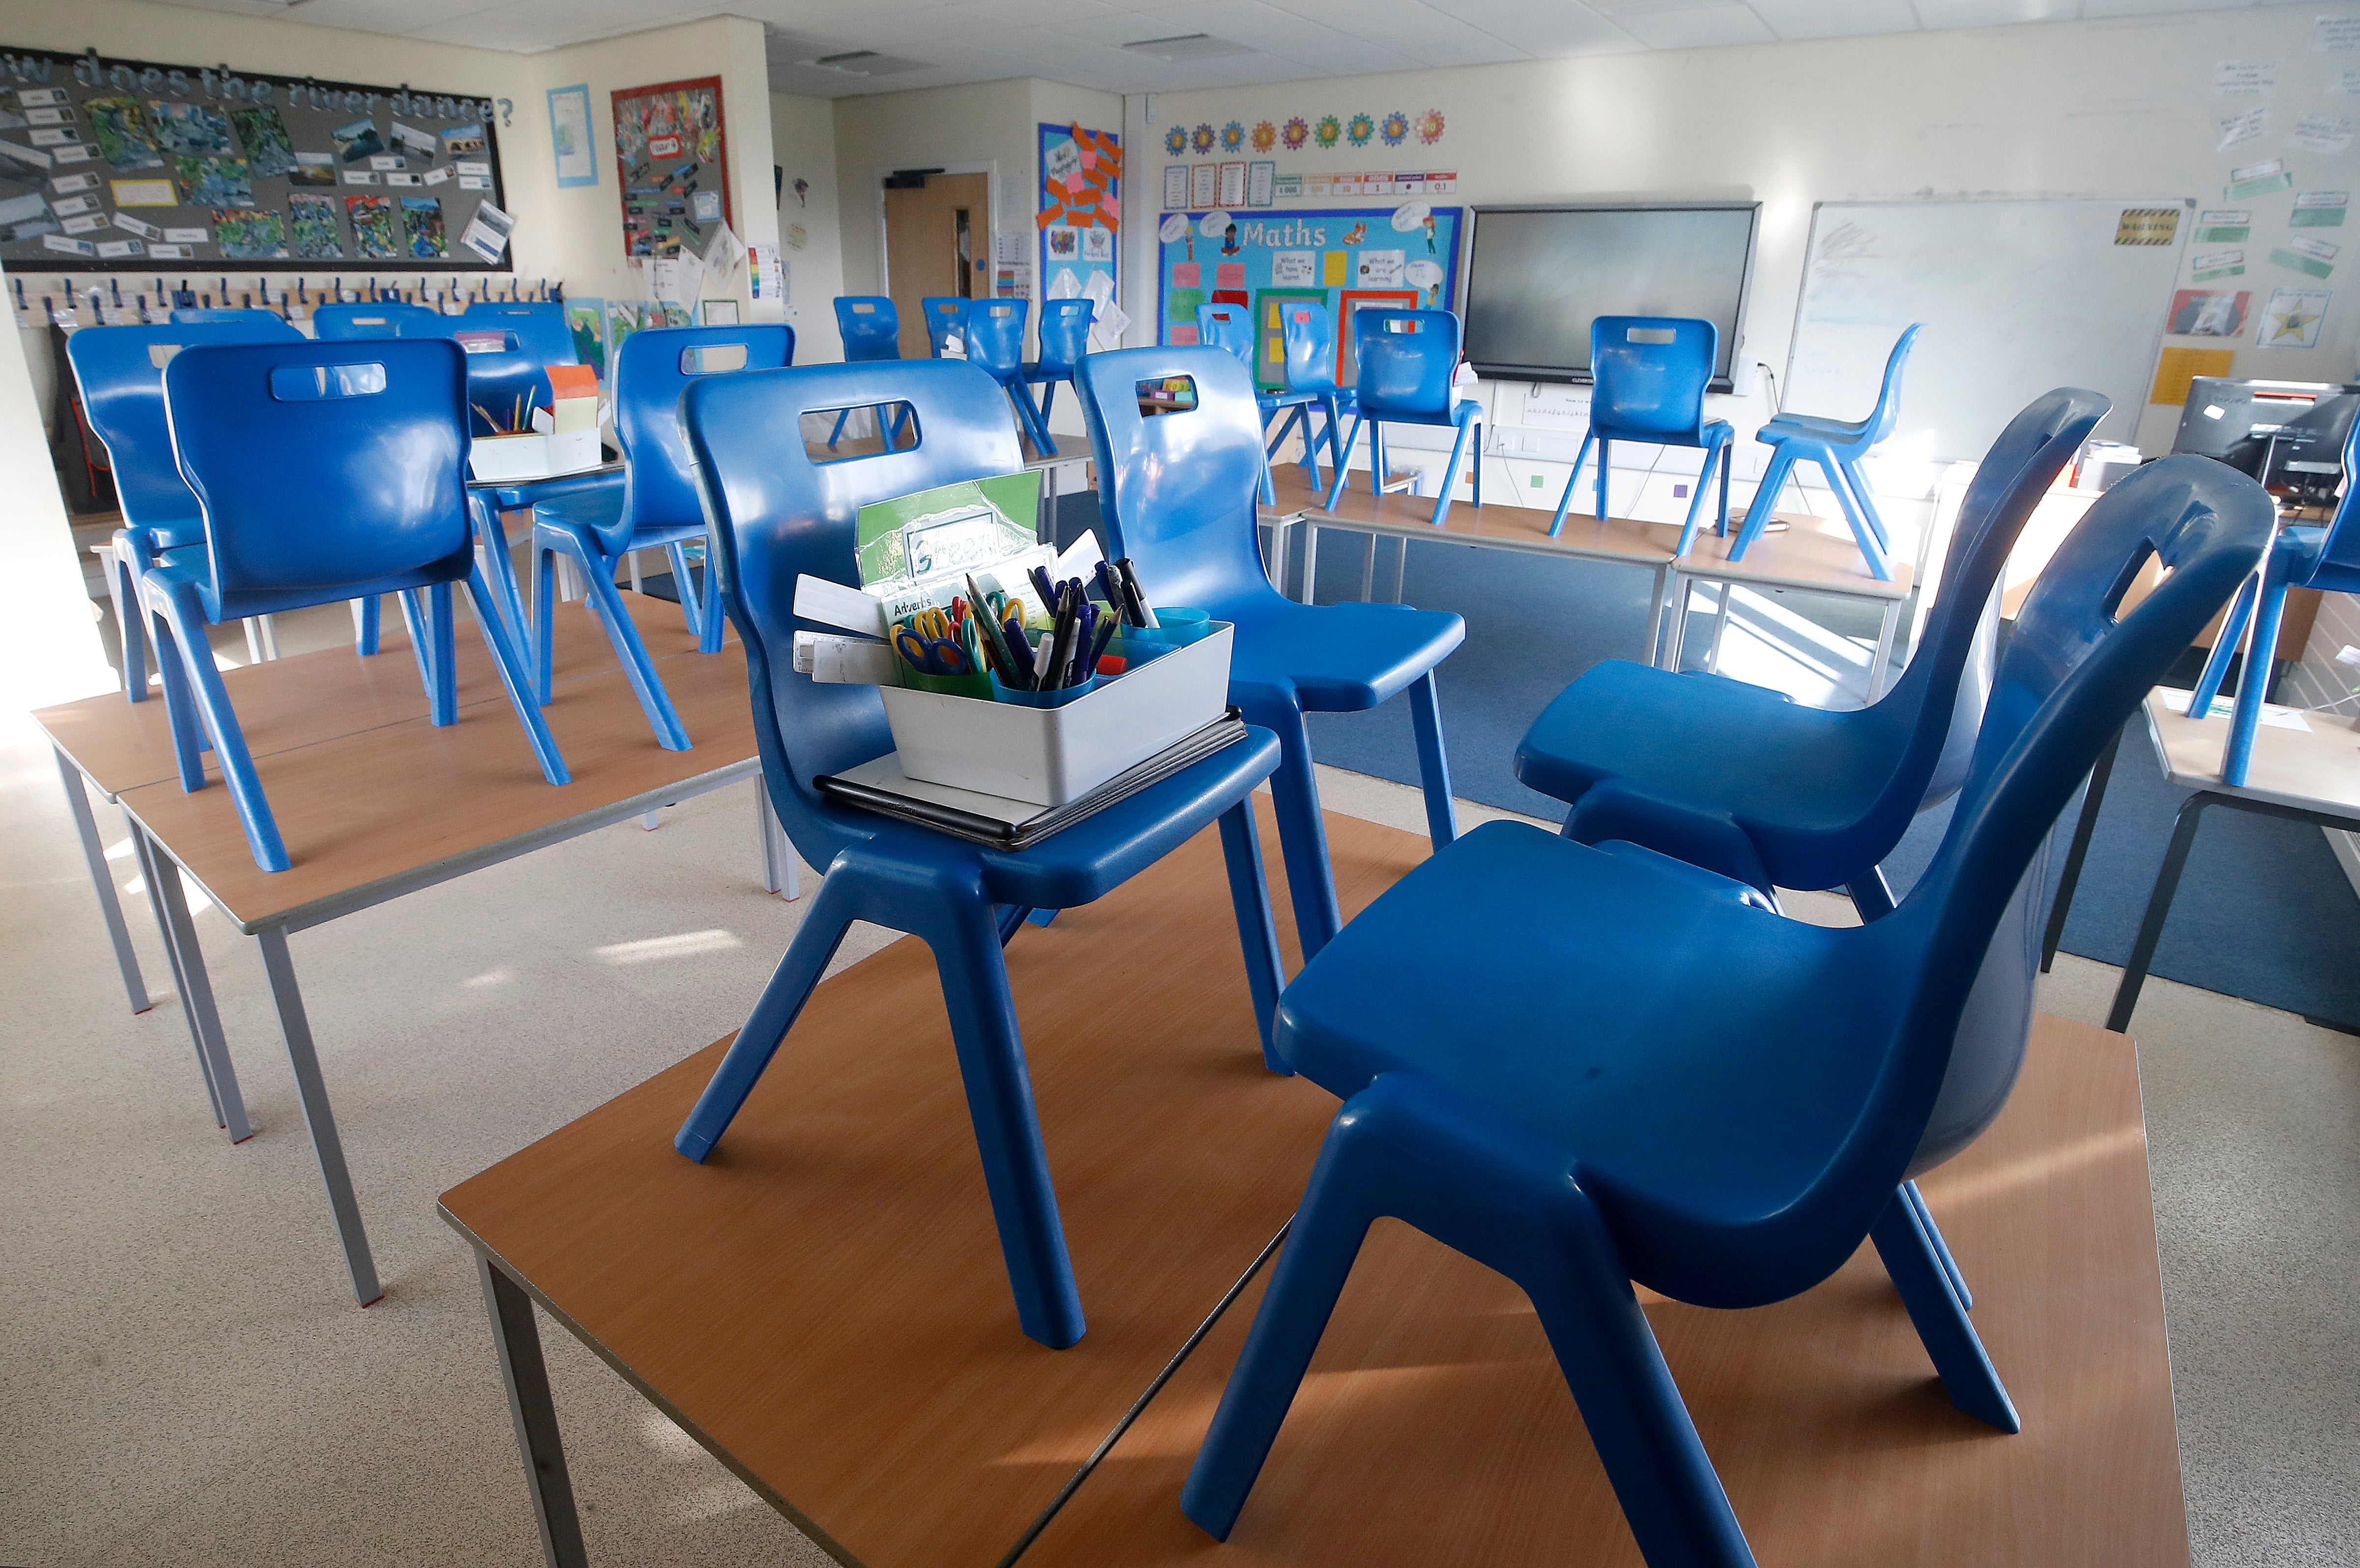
[
  {"x": 2210, "y": 312},
  {"x": 425, "y": 144},
  {"x": 214, "y": 182},
  {"x": 125, "y": 138},
  {"x": 263, "y": 135},
  {"x": 487, "y": 234},
  {"x": 313, "y": 169},
  {"x": 421, "y": 221},
  {"x": 316, "y": 236},
  {"x": 190, "y": 127},
  {"x": 377, "y": 227},
  {"x": 463, "y": 141},
  {"x": 357, "y": 140},
  {"x": 250, "y": 237}
]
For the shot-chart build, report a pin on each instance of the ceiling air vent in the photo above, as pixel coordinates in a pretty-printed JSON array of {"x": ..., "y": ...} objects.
[
  {"x": 1188, "y": 46},
  {"x": 866, "y": 62}
]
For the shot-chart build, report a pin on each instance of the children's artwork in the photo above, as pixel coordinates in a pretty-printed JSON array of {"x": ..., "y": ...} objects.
[
  {"x": 1341, "y": 259},
  {"x": 246, "y": 235},
  {"x": 377, "y": 227},
  {"x": 1063, "y": 243},
  {"x": 2210, "y": 312},
  {"x": 422, "y": 226},
  {"x": 313, "y": 169},
  {"x": 2293, "y": 318},
  {"x": 586, "y": 320},
  {"x": 125, "y": 138},
  {"x": 666, "y": 313},
  {"x": 314, "y": 234},
  {"x": 622, "y": 321},
  {"x": 214, "y": 182},
  {"x": 1081, "y": 212},
  {"x": 190, "y": 127},
  {"x": 1098, "y": 244},
  {"x": 263, "y": 136},
  {"x": 668, "y": 151},
  {"x": 358, "y": 141}
]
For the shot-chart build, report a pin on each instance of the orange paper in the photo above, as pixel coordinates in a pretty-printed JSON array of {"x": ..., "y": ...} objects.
[{"x": 2178, "y": 365}]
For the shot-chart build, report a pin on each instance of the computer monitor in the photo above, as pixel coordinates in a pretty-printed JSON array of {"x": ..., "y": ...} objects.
[{"x": 2288, "y": 434}]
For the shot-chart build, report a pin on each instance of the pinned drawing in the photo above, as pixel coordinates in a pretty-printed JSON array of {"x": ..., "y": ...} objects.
[{"x": 2293, "y": 318}]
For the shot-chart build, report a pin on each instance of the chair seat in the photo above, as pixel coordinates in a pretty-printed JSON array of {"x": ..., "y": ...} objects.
[
  {"x": 1580, "y": 995},
  {"x": 599, "y": 513},
  {"x": 1706, "y": 434},
  {"x": 1036, "y": 371},
  {"x": 1809, "y": 427},
  {"x": 1337, "y": 659},
  {"x": 567, "y": 487},
  {"x": 1671, "y": 745},
  {"x": 2302, "y": 546},
  {"x": 1096, "y": 855}
]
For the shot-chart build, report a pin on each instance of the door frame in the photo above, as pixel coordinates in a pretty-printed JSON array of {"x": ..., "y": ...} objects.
[{"x": 989, "y": 168}]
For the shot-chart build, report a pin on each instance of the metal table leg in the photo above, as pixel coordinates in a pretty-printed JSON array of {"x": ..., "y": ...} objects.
[
  {"x": 1655, "y": 608},
  {"x": 516, "y": 1338},
  {"x": 93, "y": 854},
  {"x": 1401, "y": 568},
  {"x": 780, "y": 875},
  {"x": 322, "y": 1121},
  {"x": 1368, "y": 569},
  {"x": 1310, "y": 561},
  {"x": 2094, "y": 798},
  {"x": 1881, "y": 663},
  {"x": 1720, "y": 630},
  {"x": 196, "y": 986},
  {"x": 2159, "y": 907}
]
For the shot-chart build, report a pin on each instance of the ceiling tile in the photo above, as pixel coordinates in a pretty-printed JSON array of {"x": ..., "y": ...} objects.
[
  {"x": 1552, "y": 33},
  {"x": 1994, "y": 13},
  {"x": 1694, "y": 26},
  {"x": 1836, "y": 18},
  {"x": 2097, "y": 8}
]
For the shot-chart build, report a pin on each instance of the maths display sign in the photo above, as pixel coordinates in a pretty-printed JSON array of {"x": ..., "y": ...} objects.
[
  {"x": 124, "y": 166},
  {"x": 1344, "y": 258},
  {"x": 668, "y": 148}
]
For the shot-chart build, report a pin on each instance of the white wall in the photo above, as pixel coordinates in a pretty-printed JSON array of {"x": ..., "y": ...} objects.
[
  {"x": 803, "y": 143},
  {"x": 2113, "y": 108}
]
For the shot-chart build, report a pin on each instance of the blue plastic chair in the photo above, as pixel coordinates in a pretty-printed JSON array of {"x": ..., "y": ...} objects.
[
  {"x": 1228, "y": 328},
  {"x": 777, "y": 515},
  {"x": 2326, "y": 558},
  {"x": 1837, "y": 446},
  {"x": 538, "y": 327},
  {"x": 1175, "y": 494},
  {"x": 946, "y": 319},
  {"x": 657, "y": 505},
  {"x": 1738, "y": 779},
  {"x": 252, "y": 315},
  {"x": 378, "y": 319},
  {"x": 1406, "y": 361},
  {"x": 1308, "y": 334},
  {"x": 1064, "y": 337},
  {"x": 1648, "y": 375},
  {"x": 373, "y": 437},
  {"x": 1585, "y": 1067},
  {"x": 995, "y": 345},
  {"x": 871, "y": 329}
]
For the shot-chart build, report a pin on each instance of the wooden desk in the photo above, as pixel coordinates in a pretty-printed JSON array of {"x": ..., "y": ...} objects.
[
  {"x": 360, "y": 830},
  {"x": 821, "y": 1305},
  {"x": 2297, "y": 776}
]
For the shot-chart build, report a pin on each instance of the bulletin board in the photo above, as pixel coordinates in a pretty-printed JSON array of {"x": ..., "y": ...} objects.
[
  {"x": 1081, "y": 214},
  {"x": 1344, "y": 257},
  {"x": 111, "y": 165},
  {"x": 670, "y": 158}
]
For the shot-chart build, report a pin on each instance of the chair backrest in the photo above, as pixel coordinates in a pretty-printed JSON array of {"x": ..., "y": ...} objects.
[
  {"x": 326, "y": 470},
  {"x": 870, "y": 327},
  {"x": 383, "y": 318},
  {"x": 1309, "y": 333},
  {"x": 540, "y": 327},
  {"x": 2342, "y": 544},
  {"x": 1648, "y": 375},
  {"x": 946, "y": 314},
  {"x": 1176, "y": 490},
  {"x": 507, "y": 385},
  {"x": 995, "y": 334},
  {"x": 778, "y": 513},
  {"x": 1406, "y": 360},
  {"x": 1888, "y": 396},
  {"x": 653, "y": 368},
  {"x": 1226, "y": 327},
  {"x": 1065, "y": 332},
  {"x": 267, "y": 324},
  {"x": 121, "y": 373}
]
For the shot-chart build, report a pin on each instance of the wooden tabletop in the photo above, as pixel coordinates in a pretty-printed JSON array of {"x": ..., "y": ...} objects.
[
  {"x": 380, "y": 810},
  {"x": 2317, "y": 769},
  {"x": 822, "y": 1303},
  {"x": 1811, "y": 553}
]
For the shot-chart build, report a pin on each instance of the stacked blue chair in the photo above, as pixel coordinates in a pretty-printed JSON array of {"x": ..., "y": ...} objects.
[
  {"x": 2326, "y": 558},
  {"x": 378, "y": 319},
  {"x": 1308, "y": 334},
  {"x": 1648, "y": 375},
  {"x": 373, "y": 437},
  {"x": 995, "y": 345},
  {"x": 656, "y": 506},
  {"x": 1408, "y": 361},
  {"x": 1064, "y": 337},
  {"x": 946, "y": 320},
  {"x": 1176, "y": 494},
  {"x": 778, "y": 516},
  {"x": 871, "y": 329},
  {"x": 1585, "y": 1067},
  {"x": 537, "y": 327},
  {"x": 203, "y": 315},
  {"x": 1228, "y": 327},
  {"x": 1837, "y": 446}
]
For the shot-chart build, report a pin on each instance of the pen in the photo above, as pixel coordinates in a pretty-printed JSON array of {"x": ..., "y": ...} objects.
[
  {"x": 1107, "y": 625},
  {"x": 1086, "y": 634},
  {"x": 1143, "y": 613},
  {"x": 1040, "y": 575},
  {"x": 1061, "y": 640}
]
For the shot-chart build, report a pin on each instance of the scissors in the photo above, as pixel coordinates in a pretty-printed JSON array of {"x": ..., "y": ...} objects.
[{"x": 926, "y": 646}]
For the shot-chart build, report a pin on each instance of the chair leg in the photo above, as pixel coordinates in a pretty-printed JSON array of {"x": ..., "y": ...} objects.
[
  {"x": 1302, "y": 835},
  {"x": 1696, "y": 499},
  {"x": 1380, "y": 465},
  {"x": 1450, "y": 470},
  {"x": 421, "y": 645},
  {"x": 1869, "y": 548},
  {"x": 1557, "y": 524},
  {"x": 1759, "y": 511},
  {"x": 841, "y": 415},
  {"x": 544, "y": 620},
  {"x": 1048, "y": 403},
  {"x": 1433, "y": 762},
  {"x": 2254, "y": 685},
  {"x": 1343, "y": 469},
  {"x": 682, "y": 582},
  {"x": 443, "y": 705},
  {"x": 372, "y": 614},
  {"x": 1871, "y": 895},
  {"x": 179, "y": 700},
  {"x": 1335, "y": 450},
  {"x": 187, "y": 625},
  {"x": 509, "y": 659},
  {"x": 2225, "y": 648},
  {"x": 606, "y": 602},
  {"x": 492, "y": 538},
  {"x": 708, "y": 635},
  {"x": 130, "y": 620},
  {"x": 1604, "y": 470},
  {"x": 1916, "y": 1201},
  {"x": 1865, "y": 498},
  {"x": 1257, "y": 932},
  {"x": 1940, "y": 1318}
]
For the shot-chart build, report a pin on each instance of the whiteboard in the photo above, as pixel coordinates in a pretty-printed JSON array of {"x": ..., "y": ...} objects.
[{"x": 2017, "y": 298}]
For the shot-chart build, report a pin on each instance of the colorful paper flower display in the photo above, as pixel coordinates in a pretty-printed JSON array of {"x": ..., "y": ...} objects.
[
  {"x": 1330, "y": 128},
  {"x": 1358, "y": 132},
  {"x": 1233, "y": 136},
  {"x": 1265, "y": 136},
  {"x": 1175, "y": 140},
  {"x": 1395, "y": 130},
  {"x": 1297, "y": 132},
  {"x": 1429, "y": 127},
  {"x": 1202, "y": 139}
]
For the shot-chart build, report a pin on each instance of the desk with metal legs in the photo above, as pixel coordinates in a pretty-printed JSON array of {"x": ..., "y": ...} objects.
[{"x": 2301, "y": 776}]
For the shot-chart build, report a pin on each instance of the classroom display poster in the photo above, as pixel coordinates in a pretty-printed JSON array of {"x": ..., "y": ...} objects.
[
  {"x": 2293, "y": 318},
  {"x": 586, "y": 320},
  {"x": 111, "y": 164},
  {"x": 1403, "y": 256},
  {"x": 1080, "y": 219},
  {"x": 668, "y": 156}
]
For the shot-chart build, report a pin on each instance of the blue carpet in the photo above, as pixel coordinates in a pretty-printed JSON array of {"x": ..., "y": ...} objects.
[{"x": 2263, "y": 911}]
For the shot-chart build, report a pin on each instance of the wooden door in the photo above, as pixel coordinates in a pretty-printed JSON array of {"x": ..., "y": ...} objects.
[{"x": 937, "y": 241}]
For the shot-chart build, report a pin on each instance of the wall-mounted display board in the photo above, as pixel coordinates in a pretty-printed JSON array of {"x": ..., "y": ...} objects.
[
  {"x": 1080, "y": 218},
  {"x": 121, "y": 165},
  {"x": 1346, "y": 257},
  {"x": 669, "y": 152}
]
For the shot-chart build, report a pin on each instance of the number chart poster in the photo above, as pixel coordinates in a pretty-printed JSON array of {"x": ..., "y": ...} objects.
[
  {"x": 1081, "y": 214},
  {"x": 1344, "y": 258}
]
